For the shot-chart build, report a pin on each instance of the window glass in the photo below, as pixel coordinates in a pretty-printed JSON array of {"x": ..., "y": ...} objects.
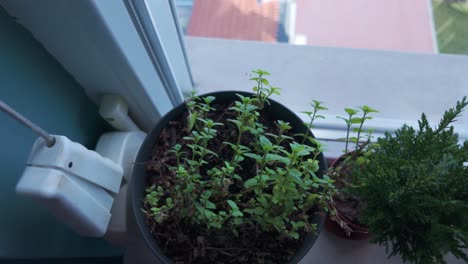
[
  {"x": 394, "y": 25},
  {"x": 451, "y": 23},
  {"x": 381, "y": 53}
]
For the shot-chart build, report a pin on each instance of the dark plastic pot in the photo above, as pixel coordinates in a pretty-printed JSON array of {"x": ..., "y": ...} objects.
[
  {"x": 359, "y": 232},
  {"x": 138, "y": 182}
]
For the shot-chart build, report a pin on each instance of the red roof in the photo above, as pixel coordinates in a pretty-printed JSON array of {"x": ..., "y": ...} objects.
[{"x": 235, "y": 19}]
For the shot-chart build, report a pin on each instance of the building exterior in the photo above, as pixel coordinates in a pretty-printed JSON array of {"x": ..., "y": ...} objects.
[
  {"x": 235, "y": 19},
  {"x": 398, "y": 25}
]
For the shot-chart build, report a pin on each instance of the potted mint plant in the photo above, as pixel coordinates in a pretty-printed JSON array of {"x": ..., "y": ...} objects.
[
  {"x": 346, "y": 207},
  {"x": 415, "y": 185},
  {"x": 230, "y": 177}
]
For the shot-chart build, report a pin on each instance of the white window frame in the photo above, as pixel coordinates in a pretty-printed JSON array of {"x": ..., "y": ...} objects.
[
  {"x": 158, "y": 26},
  {"x": 128, "y": 47}
]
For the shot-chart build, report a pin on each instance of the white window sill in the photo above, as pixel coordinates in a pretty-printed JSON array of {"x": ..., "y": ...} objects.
[{"x": 400, "y": 85}]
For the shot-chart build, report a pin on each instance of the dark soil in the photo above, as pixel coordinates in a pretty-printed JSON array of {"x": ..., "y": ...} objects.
[
  {"x": 185, "y": 243},
  {"x": 348, "y": 205}
]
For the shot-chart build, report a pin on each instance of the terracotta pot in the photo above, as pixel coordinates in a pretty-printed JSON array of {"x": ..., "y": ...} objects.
[{"x": 359, "y": 232}]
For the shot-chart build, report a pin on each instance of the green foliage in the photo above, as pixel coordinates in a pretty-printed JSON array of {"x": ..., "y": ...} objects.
[
  {"x": 450, "y": 24},
  {"x": 277, "y": 197},
  {"x": 416, "y": 191},
  {"x": 316, "y": 106},
  {"x": 263, "y": 88},
  {"x": 351, "y": 120},
  {"x": 353, "y": 160}
]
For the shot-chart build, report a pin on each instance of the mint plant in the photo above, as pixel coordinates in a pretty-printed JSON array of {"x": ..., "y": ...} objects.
[
  {"x": 345, "y": 206},
  {"x": 416, "y": 190},
  {"x": 233, "y": 172},
  {"x": 351, "y": 120},
  {"x": 313, "y": 115}
]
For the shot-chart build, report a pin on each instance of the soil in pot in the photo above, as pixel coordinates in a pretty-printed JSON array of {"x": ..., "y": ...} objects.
[
  {"x": 184, "y": 242},
  {"x": 347, "y": 205}
]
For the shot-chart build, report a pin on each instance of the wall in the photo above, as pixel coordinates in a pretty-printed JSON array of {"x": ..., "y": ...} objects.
[
  {"x": 32, "y": 82},
  {"x": 398, "y": 25}
]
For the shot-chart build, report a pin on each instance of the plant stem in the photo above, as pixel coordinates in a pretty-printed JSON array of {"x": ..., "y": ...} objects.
[
  {"x": 309, "y": 126},
  {"x": 359, "y": 131},
  {"x": 259, "y": 86},
  {"x": 347, "y": 137},
  {"x": 237, "y": 145},
  {"x": 261, "y": 170}
]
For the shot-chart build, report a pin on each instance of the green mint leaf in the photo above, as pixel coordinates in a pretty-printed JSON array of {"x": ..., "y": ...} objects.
[{"x": 250, "y": 183}]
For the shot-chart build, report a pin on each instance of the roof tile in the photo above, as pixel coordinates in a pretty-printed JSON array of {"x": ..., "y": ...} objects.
[{"x": 235, "y": 19}]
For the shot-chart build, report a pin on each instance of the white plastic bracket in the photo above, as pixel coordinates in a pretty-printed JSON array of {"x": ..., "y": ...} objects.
[
  {"x": 74, "y": 183},
  {"x": 122, "y": 148},
  {"x": 84, "y": 188},
  {"x": 114, "y": 110}
]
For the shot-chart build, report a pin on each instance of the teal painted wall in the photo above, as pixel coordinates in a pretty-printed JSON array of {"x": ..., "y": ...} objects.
[{"x": 36, "y": 85}]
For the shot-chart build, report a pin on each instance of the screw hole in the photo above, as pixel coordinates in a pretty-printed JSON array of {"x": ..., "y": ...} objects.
[{"x": 70, "y": 164}]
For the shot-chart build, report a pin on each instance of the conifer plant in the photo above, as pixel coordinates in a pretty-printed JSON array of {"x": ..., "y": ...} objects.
[{"x": 415, "y": 185}]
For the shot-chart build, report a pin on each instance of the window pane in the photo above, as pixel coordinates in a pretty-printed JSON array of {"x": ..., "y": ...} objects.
[
  {"x": 451, "y": 22},
  {"x": 233, "y": 19},
  {"x": 393, "y": 25},
  {"x": 382, "y": 53}
]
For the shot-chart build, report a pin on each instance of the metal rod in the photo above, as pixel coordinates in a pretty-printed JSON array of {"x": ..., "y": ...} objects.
[{"x": 49, "y": 139}]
